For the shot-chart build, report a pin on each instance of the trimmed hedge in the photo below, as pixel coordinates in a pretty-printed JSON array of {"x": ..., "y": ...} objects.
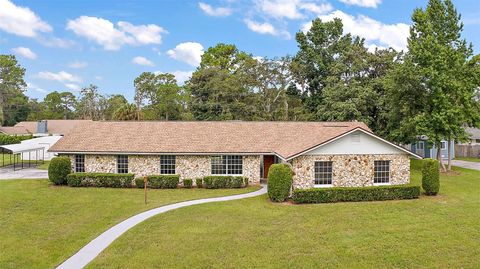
[
  {"x": 348, "y": 194},
  {"x": 245, "y": 181},
  {"x": 222, "y": 182},
  {"x": 431, "y": 176},
  {"x": 279, "y": 182},
  {"x": 163, "y": 181},
  {"x": 107, "y": 180},
  {"x": 59, "y": 169},
  {"x": 199, "y": 182},
  {"x": 13, "y": 139},
  {"x": 187, "y": 183},
  {"x": 139, "y": 183}
]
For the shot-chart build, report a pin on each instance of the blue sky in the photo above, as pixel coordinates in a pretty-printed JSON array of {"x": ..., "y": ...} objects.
[{"x": 65, "y": 45}]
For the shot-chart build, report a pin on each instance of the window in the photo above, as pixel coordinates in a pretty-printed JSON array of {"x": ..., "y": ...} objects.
[
  {"x": 420, "y": 145},
  {"x": 122, "y": 164},
  {"x": 323, "y": 173},
  {"x": 382, "y": 172},
  {"x": 79, "y": 163},
  {"x": 444, "y": 145},
  {"x": 227, "y": 165},
  {"x": 167, "y": 164}
]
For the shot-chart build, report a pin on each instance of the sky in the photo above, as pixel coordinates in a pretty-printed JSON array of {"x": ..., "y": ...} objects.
[{"x": 67, "y": 45}]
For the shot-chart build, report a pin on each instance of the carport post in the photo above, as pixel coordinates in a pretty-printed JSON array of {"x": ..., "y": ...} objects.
[{"x": 29, "y": 157}]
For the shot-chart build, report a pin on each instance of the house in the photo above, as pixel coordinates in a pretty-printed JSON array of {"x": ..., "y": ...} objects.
[
  {"x": 426, "y": 149},
  {"x": 322, "y": 154},
  {"x": 473, "y": 138},
  {"x": 42, "y": 128}
]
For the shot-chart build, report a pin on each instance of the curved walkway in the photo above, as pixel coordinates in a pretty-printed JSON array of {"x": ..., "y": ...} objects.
[{"x": 97, "y": 245}]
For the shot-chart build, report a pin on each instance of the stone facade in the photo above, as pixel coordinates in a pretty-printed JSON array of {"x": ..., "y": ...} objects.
[
  {"x": 187, "y": 166},
  {"x": 350, "y": 170}
]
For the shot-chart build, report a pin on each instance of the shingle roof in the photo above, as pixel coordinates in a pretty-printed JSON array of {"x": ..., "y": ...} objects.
[
  {"x": 60, "y": 127},
  {"x": 283, "y": 138},
  {"x": 14, "y": 130},
  {"x": 473, "y": 132}
]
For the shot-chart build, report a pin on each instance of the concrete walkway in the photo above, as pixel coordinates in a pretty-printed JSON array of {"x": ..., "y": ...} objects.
[
  {"x": 466, "y": 164},
  {"x": 8, "y": 173},
  {"x": 97, "y": 245}
]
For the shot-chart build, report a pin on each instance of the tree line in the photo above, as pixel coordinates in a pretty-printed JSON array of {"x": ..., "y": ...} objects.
[{"x": 430, "y": 89}]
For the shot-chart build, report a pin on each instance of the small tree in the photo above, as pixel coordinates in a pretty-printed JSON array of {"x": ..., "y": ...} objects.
[
  {"x": 279, "y": 182},
  {"x": 58, "y": 170},
  {"x": 431, "y": 177}
]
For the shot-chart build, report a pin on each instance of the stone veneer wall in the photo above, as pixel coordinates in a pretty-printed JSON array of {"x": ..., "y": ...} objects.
[
  {"x": 350, "y": 170},
  {"x": 187, "y": 166}
]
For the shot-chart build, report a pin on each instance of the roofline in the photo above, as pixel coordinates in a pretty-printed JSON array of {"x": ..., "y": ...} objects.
[
  {"x": 163, "y": 153},
  {"x": 349, "y": 132}
]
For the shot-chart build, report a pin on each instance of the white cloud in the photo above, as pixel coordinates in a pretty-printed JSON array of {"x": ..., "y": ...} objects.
[
  {"x": 104, "y": 32},
  {"x": 25, "y": 52},
  {"x": 33, "y": 87},
  {"x": 362, "y": 3},
  {"x": 142, "y": 61},
  {"x": 21, "y": 20},
  {"x": 61, "y": 76},
  {"x": 72, "y": 86},
  {"x": 78, "y": 64},
  {"x": 215, "y": 11},
  {"x": 375, "y": 32},
  {"x": 265, "y": 28},
  {"x": 188, "y": 52},
  {"x": 56, "y": 42},
  {"x": 291, "y": 9},
  {"x": 182, "y": 76},
  {"x": 98, "y": 78}
]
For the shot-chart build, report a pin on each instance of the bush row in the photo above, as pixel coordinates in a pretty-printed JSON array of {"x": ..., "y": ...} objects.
[
  {"x": 376, "y": 193},
  {"x": 12, "y": 139},
  {"x": 222, "y": 182},
  {"x": 100, "y": 180}
]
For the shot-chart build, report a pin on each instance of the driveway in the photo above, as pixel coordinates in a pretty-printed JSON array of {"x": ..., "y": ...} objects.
[
  {"x": 8, "y": 173},
  {"x": 466, "y": 164}
]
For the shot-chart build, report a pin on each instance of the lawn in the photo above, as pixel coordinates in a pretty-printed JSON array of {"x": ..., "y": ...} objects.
[
  {"x": 42, "y": 225},
  {"x": 430, "y": 232},
  {"x": 468, "y": 159},
  {"x": 8, "y": 159}
]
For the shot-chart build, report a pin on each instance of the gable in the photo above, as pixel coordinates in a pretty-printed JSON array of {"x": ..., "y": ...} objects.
[{"x": 357, "y": 142}]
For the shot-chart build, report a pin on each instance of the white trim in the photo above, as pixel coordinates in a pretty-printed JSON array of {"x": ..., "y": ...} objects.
[
  {"x": 382, "y": 184},
  {"x": 349, "y": 132},
  {"x": 323, "y": 185}
]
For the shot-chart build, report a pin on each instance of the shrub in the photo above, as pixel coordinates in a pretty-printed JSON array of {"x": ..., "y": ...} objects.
[
  {"x": 187, "y": 183},
  {"x": 349, "y": 194},
  {"x": 107, "y": 180},
  {"x": 199, "y": 182},
  {"x": 431, "y": 176},
  {"x": 139, "y": 182},
  {"x": 13, "y": 139},
  {"x": 222, "y": 182},
  {"x": 163, "y": 181},
  {"x": 245, "y": 181},
  {"x": 58, "y": 170},
  {"x": 279, "y": 182}
]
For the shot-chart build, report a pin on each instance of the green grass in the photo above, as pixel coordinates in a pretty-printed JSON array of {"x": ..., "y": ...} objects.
[
  {"x": 42, "y": 225},
  {"x": 8, "y": 159},
  {"x": 44, "y": 166},
  {"x": 468, "y": 159},
  {"x": 430, "y": 232}
]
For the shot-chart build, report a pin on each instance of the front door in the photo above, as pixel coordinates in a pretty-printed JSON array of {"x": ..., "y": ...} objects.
[{"x": 267, "y": 161}]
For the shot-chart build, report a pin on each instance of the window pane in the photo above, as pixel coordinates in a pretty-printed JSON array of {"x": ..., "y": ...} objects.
[
  {"x": 219, "y": 165},
  {"x": 79, "y": 163},
  {"x": 227, "y": 165},
  {"x": 381, "y": 172},
  {"x": 323, "y": 173},
  {"x": 167, "y": 164},
  {"x": 122, "y": 164}
]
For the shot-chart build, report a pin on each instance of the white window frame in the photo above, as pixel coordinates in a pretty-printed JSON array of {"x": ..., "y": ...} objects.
[
  {"x": 226, "y": 164},
  {"x": 389, "y": 174},
  {"x": 168, "y": 159},
  {"x": 126, "y": 164},
  {"x": 322, "y": 185},
  {"x": 421, "y": 143},
  {"x": 443, "y": 145},
  {"x": 77, "y": 156}
]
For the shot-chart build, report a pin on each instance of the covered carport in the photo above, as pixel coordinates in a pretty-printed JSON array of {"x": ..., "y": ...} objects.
[{"x": 19, "y": 156}]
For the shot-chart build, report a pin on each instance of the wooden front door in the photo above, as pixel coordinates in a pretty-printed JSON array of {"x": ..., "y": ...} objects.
[{"x": 267, "y": 161}]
